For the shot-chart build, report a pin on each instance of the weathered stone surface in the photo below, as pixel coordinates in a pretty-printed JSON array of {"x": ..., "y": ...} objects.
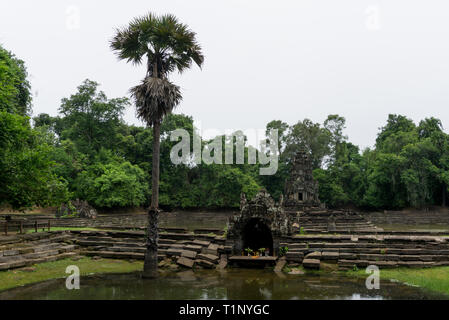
[
  {"x": 294, "y": 256},
  {"x": 185, "y": 262},
  {"x": 204, "y": 263},
  {"x": 188, "y": 254},
  {"x": 192, "y": 247},
  {"x": 211, "y": 249},
  {"x": 174, "y": 252},
  {"x": 301, "y": 188},
  {"x": 311, "y": 264},
  {"x": 78, "y": 207},
  {"x": 10, "y": 253},
  {"x": 333, "y": 256},
  {"x": 223, "y": 262},
  {"x": 280, "y": 264},
  {"x": 201, "y": 243},
  {"x": 4, "y": 266},
  {"x": 347, "y": 256},
  {"x": 313, "y": 255},
  {"x": 207, "y": 257}
]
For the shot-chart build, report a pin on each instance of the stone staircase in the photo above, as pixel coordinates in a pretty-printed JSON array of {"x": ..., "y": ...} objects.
[
  {"x": 185, "y": 249},
  {"x": 31, "y": 249},
  {"x": 360, "y": 251},
  {"x": 317, "y": 220}
]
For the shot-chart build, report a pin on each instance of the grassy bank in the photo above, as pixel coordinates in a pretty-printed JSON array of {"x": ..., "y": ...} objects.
[
  {"x": 63, "y": 229},
  {"x": 54, "y": 270},
  {"x": 434, "y": 279}
]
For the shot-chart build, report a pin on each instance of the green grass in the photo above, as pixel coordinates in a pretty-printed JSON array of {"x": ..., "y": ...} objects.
[
  {"x": 63, "y": 229},
  {"x": 54, "y": 270},
  {"x": 434, "y": 279}
]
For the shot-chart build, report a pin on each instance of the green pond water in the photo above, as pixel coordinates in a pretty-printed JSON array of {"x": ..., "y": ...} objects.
[{"x": 250, "y": 284}]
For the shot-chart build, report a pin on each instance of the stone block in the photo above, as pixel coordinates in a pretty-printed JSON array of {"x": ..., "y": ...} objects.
[
  {"x": 204, "y": 263},
  {"x": 314, "y": 255},
  {"x": 174, "y": 252},
  {"x": 208, "y": 257},
  {"x": 311, "y": 264},
  {"x": 185, "y": 262},
  {"x": 201, "y": 243},
  {"x": 333, "y": 256},
  {"x": 188, "y": 254},
  {"x": 280, "y": 264},
  {"x": 294, "y": 256},
  {"x": 192, "y": 247}
]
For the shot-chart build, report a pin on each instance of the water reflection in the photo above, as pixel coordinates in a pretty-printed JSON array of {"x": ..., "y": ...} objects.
[{"x": 230, "y": 284}]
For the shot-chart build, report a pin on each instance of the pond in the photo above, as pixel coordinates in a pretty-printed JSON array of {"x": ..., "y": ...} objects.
[{"x": 245, "y": 284}]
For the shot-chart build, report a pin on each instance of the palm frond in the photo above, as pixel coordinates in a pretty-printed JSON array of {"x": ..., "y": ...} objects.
[
  {"x": 163, "y": 40},
  {"x": 155, "y": 98}
]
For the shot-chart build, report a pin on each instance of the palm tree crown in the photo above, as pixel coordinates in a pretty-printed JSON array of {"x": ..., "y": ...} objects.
[{"x": 167, "y": 44}]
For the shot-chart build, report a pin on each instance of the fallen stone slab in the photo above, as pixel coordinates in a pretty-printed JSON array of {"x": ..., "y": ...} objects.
[
  {"x": 280, "y": 264},
  {"x": 223, "y": 262},
  {"x": 189, "y": 254},
  {"x": 208, "y": 257},
  {"x": 211, "y": 249},
  {"x": 311, "y": 264},
  {"x": 204, "y": 263},
  {"x": 185, "y": 262}
]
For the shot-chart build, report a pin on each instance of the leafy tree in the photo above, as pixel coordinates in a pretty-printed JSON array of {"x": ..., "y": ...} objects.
[
  {"x": 112, "y": 185},
  {"x": 168, "y": 46},
  {"x": 26, "y": 175},
  {"x": 15, "y": 95},
  {"x": 312, "y": 137},
  {"x": 90, "y": 119}
]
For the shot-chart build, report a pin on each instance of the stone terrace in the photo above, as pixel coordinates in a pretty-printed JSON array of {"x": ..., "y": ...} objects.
[
  {"x": 206, "y": 250},
  {"x": 25, "y": 250}
]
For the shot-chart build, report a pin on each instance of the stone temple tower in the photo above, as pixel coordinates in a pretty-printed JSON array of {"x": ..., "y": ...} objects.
[{"x": 301, "y": 190}]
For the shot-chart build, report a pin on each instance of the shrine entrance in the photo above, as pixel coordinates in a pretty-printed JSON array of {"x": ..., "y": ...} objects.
[{"x": 256, "y": 234}]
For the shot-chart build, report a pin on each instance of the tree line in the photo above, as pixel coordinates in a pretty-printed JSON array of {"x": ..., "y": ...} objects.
[{"x": 88, "y": 152}]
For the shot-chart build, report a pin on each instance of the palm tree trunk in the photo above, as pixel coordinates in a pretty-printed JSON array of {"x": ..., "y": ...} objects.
[{"x": 150, "y": 264}]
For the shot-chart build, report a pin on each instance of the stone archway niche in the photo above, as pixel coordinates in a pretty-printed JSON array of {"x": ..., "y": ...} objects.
[{"x": 261, "y": 223}]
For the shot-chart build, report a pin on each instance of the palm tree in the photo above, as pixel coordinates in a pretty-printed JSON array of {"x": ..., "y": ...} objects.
[{"x": 168, "y": 46}]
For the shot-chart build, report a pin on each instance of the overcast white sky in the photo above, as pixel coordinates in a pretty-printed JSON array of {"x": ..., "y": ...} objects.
[{"x": 265, "y": 60}]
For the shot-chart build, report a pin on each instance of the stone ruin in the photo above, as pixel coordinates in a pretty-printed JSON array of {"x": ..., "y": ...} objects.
[
  {"x": 304, "y": 209},
  {"x": 301, "y": 190},
  {"x": 78, "y": 208},
  {"x": 261, "y": 223}
]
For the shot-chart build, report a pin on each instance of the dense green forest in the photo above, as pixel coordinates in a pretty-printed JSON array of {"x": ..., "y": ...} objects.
[{"x": 88, "y": 152}]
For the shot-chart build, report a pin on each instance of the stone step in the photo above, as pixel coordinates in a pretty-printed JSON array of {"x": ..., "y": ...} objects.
[
  {"x": 125, "y": 249},
  {"x": 311, "y": 264},
  {"x": 122, "y": 255},
  {"x": 116, "y": 255}
]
